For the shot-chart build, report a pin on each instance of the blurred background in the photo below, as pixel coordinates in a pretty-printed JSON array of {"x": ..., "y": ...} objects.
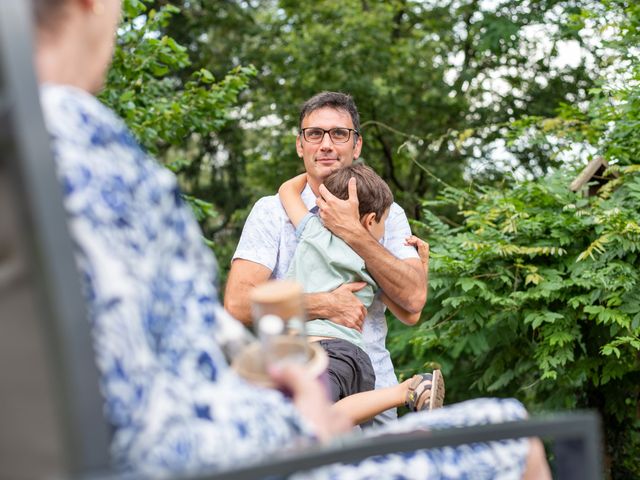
[{"x": 479, "y": 115}]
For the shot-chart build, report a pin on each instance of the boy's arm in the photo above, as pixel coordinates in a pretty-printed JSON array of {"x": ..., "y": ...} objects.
[
  {"x": 423, "y": 253},
  {"x": 289, "y": 194}
]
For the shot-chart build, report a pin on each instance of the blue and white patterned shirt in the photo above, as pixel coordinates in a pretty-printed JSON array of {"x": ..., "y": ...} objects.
[{"x": 149, "y": 280}]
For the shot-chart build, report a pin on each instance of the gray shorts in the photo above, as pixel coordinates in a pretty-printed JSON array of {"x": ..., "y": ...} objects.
[{"x": 350, "y": 370}]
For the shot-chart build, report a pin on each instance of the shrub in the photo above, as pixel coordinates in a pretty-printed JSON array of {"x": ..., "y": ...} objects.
[{"x": 537, "y": 296}]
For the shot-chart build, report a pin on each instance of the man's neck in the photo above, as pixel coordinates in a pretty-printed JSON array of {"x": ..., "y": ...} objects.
[{"x": 314, "y": 184}]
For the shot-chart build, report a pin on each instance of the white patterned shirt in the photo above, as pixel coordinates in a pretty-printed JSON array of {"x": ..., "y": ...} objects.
[
  {"x": 171, "y": 399},
  {"x": 269, "y": 238}
]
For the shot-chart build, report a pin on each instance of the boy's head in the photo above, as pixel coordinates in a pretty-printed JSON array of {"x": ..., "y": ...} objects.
[{"x": 374, "y": 195}]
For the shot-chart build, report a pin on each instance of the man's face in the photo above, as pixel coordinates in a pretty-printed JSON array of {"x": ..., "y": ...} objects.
[{"x": 320, "y": 159}]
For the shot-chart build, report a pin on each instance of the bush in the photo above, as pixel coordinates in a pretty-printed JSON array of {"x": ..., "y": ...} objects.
[{"x": 537, "y": 296}]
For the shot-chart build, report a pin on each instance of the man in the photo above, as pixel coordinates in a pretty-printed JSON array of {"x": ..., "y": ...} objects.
[{"x": 329, "y": 138}]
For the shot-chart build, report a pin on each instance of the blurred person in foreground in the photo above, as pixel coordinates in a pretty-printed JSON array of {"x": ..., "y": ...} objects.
[{"x": 171, "y": 399}]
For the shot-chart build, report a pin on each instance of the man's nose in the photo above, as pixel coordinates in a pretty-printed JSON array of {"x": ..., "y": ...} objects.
[{"x": 326, "y": 143}]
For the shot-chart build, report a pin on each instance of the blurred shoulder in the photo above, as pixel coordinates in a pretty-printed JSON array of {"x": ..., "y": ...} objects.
[{"x": 71, "y": 104}]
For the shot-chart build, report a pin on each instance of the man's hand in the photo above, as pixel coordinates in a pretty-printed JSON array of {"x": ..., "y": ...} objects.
[
  {"x": 312, "y": 401},
  {"x": 348, "y": 309},
  {"x": 341, "y": 216},
  {"x": 340, "y": 306}
]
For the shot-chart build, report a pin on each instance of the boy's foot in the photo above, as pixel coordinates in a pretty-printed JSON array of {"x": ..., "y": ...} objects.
[{"x": 426, "y": 391}]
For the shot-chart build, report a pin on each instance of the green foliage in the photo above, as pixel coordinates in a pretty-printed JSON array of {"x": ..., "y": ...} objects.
[
  {"x": 536, "y": 295},
  {"x": 167, "y": 106},
  {"x": 423, "y": 74},
  {"x": 609, "y": 122}
]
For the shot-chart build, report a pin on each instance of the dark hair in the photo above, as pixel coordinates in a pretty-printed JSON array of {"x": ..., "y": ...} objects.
[
  {"x": 47, "y": 13},
  {"x": 337, "y": 100},
  {"x": 374, "y": 195}
]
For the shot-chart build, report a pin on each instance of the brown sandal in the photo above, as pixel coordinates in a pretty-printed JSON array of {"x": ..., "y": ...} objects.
[{"x": 426, "y": 391}]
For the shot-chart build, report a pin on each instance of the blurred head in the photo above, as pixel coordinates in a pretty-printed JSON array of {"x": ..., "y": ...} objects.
[
  {"x": 374, "y": 196},
  {"x": 75, "y": 40},
  {"x": 329, "y": 135}
]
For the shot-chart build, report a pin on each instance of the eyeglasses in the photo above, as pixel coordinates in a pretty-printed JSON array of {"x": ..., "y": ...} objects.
[{"x": 337, "y": 135}]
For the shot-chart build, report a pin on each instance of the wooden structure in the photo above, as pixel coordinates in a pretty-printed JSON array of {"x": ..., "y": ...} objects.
[{"x": 592, "y": 178}]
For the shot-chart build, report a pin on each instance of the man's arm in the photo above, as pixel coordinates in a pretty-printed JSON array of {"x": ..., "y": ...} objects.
[
  {"x": 339, "y": 305},
  {"x": 403, "y": 281},
  {"x": 243, "y": 277},
  {"x": 400, "y": 313}
]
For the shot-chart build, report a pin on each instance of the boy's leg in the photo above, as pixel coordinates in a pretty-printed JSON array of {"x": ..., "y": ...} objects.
[
  {"x": 361, "y": 407},
  {"x": 349, "y": 370}
]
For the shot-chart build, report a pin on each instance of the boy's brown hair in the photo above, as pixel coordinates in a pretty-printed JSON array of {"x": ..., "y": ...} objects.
[{"x": 374, "y": 194}]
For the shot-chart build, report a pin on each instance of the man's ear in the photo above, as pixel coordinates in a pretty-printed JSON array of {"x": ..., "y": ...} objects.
[
  {"x": 91, "y": 5},
  {"x": 357, "y": 148},
  {"x": 299, "y": 145}
]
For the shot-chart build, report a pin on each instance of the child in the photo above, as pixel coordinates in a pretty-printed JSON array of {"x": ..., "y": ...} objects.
[{"x": 323, "y": 262}]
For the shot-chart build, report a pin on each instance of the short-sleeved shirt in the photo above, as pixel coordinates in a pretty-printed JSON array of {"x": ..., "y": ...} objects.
[
  {"x": 322, "y": 262},
  {"x": 171, "y": 400},
  {"x": 269, "y": 238}
]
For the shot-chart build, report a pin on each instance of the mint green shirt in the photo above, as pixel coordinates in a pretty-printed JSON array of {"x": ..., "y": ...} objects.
[{"x": 321, "y": 263}]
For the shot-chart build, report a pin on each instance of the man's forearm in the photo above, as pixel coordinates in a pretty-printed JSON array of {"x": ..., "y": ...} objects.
[
  {"x": 239, "y": 307},
  {"x": 317, "y": 305},
  {"x": 401, "y": 280},
  {"x": 340, "y": 305},
  {"x": 243, "y": 277}
]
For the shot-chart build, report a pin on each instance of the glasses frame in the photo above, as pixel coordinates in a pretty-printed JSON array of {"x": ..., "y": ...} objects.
[{"x": 302, "y": 132}]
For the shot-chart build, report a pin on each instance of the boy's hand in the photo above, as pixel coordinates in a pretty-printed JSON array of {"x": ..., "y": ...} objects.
[{"x": 423, "y": 251}]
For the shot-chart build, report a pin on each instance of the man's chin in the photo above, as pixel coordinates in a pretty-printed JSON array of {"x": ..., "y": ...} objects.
[{"x": 328, "y": 167}]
